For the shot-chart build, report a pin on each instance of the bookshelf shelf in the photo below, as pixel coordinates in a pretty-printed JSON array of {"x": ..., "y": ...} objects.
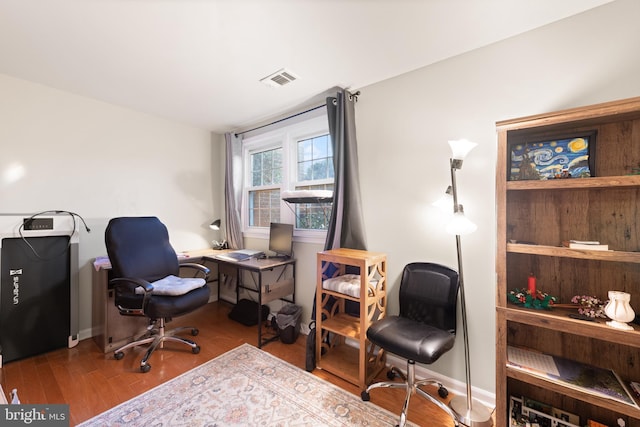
[
  {"x": 558, "y": 251},
  {"x": 547, "y": 384},
  {"x": 558, "y": 319},
  {"x": 593, "y": 182}
]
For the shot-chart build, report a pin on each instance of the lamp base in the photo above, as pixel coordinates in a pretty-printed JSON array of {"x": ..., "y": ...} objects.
[{"x": 478, "y": 416}]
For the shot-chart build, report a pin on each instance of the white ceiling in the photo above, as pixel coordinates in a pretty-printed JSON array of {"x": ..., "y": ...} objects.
[{"x": 200, "y": 61}]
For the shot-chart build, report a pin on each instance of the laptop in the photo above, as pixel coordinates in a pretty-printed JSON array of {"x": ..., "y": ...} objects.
[{"x": 240, "y": 255}]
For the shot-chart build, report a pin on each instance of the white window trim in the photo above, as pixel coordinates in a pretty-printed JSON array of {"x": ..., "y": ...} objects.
[{"x": 286, "y": 137}]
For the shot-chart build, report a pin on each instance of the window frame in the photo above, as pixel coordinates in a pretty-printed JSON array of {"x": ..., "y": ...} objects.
[{"x": 287, "y": 138}]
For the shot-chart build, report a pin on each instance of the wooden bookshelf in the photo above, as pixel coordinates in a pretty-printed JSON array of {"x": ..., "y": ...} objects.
[{"x": 543, "y": 213}]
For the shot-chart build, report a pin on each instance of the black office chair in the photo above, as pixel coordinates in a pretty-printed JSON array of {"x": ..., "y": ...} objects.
[
  {"x": 423, "y": 331},
  {"x": 145, "y": 271}
]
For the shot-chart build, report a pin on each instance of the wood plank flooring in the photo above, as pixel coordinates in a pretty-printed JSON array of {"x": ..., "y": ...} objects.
[{"x": 92, "y": 382}]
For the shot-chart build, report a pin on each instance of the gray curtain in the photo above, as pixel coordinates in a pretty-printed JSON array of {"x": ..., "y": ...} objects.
[
  {"x": 346, "y": 227},
  {"x": 233, "y": 190}
]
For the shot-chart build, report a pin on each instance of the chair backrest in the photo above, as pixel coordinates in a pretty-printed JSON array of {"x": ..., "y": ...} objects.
[
  {"x": 138, "y": 247},
  {"x": 429, "y": 294}
]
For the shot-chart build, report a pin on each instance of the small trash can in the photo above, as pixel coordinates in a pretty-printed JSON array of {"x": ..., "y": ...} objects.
[{"x": 288, "y": 323}]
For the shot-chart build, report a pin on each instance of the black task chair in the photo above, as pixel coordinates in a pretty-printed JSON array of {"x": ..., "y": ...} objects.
[
  {"x": 422, "y": 332},
  {"x": 145, "y": 271}
]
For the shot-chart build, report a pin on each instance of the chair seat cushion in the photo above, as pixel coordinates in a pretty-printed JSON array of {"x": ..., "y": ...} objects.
[
  {"x": 165, "y": 306},
  {"x": 173, "y": 285},
  {"x": 410, "y": 339}
]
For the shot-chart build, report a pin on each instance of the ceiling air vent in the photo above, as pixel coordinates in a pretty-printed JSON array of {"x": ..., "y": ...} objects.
[{"x": 279, "y": 78}]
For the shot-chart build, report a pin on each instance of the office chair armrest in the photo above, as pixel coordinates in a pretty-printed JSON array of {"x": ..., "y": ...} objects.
[
  {"x": 199, "y": 267},
  {"x": 131, "y": 284}
]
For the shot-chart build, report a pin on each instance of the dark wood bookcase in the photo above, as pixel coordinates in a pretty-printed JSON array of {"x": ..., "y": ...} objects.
[{"x": 534, "y": 217}]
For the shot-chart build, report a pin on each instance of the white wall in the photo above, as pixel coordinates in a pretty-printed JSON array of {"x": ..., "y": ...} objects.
[
  {"x": 102, "y": 161},
  {"x": 404, "y": 123}
]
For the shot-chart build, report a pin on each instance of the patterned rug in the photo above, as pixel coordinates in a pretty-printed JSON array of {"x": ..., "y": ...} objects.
[{"x": 245, "y": 387}]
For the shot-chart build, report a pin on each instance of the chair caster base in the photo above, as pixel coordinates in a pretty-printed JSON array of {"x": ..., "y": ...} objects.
[
  {"x": 145, "y": 368},
  {"x": 195, "y": 331},
  {"x": 118, "y": 355},
  {"x": 196, "y": 349},
  {"x": 443, "y": 392},
  {"x": 365, "y": 396}
]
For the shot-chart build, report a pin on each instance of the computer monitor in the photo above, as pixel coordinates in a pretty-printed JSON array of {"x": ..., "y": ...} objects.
[{"x": 281, "y": 239}]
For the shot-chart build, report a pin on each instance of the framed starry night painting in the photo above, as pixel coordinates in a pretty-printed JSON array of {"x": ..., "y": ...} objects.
[{"x": 565, "y": 156}]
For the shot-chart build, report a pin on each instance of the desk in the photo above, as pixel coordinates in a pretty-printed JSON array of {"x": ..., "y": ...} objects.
[
  {"x": 279, "y": 288},
  {"x": 111, "y": 330}
]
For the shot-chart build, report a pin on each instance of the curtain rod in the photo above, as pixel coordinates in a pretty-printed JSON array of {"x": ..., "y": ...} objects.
[{"x": 282, "y": 119}]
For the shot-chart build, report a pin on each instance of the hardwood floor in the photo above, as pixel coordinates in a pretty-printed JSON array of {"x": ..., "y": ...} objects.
[{"x": 92, "y": 382}]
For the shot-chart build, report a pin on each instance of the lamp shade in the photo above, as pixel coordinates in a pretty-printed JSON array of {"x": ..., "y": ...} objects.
[
  {"x": 460, "y": 148},
  {"x": 445, "y": 203},
  {"x": 215, "y": 225},
  {"x": 460, "y": 224}
]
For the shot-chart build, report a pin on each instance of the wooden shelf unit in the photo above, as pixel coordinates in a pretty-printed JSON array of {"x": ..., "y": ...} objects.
[
  {"x": 544, "y": 213},
  {"x": 358, "y": 365}
]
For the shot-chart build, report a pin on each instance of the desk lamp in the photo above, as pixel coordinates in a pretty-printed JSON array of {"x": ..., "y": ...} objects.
[{"x": 215, "y": 225}]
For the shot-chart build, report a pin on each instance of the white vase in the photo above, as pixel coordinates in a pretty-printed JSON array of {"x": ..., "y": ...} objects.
[{"x": 619, "y": 310}]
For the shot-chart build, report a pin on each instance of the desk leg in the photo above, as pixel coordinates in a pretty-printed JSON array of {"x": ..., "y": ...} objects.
[{"x": 260, "y": 310}]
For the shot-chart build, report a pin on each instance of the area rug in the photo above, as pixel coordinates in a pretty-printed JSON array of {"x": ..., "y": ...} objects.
[{"x": 245, "y": 387}]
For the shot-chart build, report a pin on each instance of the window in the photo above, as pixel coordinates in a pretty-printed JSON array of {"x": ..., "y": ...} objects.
[
  {"x": 296, "y": 157},
  {"x": 314, "y": 171},
  {"x": 266, "y": 177}
]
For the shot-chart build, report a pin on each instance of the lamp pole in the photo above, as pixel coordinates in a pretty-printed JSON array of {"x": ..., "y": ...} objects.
[{"x": 468, "y": 412}]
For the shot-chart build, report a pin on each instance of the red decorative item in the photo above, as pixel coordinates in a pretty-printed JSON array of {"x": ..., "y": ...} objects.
[{"x": 532, "y": 284}]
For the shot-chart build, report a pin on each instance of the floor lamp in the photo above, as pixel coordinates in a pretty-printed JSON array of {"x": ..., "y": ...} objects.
[{"x": 468, "y": 411}]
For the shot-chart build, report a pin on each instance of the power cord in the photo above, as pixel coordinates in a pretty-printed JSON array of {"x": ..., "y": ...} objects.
[{"x": 50, "y": 212}]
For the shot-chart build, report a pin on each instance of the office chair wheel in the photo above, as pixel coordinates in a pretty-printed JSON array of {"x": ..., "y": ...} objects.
[
  {"x": 391, "y": 374},
  {"x": 365, "y": 396},
  {"x": 443, "y": 392},
  {"x": 145, "y": 368},
  {"x": 118, "y": 355},
  {"x": 195, "y": 331},
  {"x": 196, "y": 349}
]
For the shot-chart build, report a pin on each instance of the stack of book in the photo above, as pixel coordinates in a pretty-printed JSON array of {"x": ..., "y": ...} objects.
[{"x": 591, "y": 245}]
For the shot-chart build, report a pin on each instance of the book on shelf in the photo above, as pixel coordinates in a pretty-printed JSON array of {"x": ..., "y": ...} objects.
[
  {"x": 595, "y": 381},
  {"x": 590, "y": 245}
]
